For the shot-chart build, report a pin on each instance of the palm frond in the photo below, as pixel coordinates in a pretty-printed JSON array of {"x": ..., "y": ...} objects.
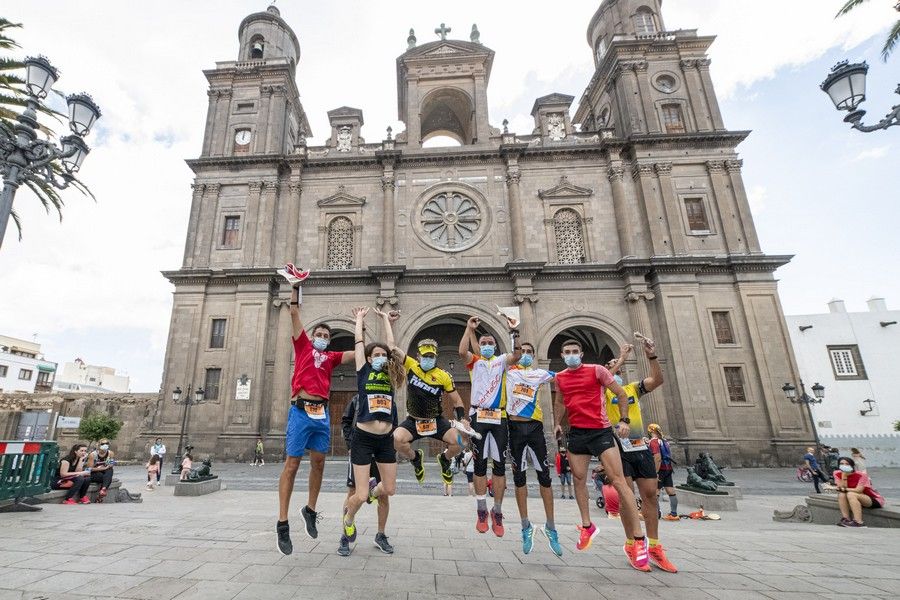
[
  {"x": 46, "y": 194},
  {"x": 892, "y": 40},
  {"x": 15, "y": 218},
  {"x": 848, "y": 6}
]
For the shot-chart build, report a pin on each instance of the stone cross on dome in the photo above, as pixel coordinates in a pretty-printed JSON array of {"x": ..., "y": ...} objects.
[{"x": 442, "y": 31}]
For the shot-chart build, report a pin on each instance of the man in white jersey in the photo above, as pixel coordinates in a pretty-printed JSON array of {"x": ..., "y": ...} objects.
[{"x": 528, "y": 445}]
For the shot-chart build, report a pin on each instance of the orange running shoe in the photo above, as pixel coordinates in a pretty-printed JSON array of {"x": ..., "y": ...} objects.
[
  {"x": 481, "y": 525},
  {"x": 587, "y": 536},
  {"x": 637, "y": 555},
  {"x": 497, "y": 523},
  {"x": 659, "y": 560},
  {"x": 671, "y": 517}
]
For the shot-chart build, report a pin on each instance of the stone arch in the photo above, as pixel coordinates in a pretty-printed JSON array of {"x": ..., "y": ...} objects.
[
  {"x": 609, "y": 332},
  {"x": 448, "y": 112},
  {"x": 428, "y": 316}
]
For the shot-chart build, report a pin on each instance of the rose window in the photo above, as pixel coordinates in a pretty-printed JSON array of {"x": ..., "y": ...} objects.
[{"x": 451, "y": 220}]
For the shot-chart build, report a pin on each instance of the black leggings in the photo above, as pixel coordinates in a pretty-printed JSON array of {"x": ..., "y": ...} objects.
[
  {"x": 79, "y": 487},
  {"x": 817, "y": 475},
  {"x": 104, "y": 478}
]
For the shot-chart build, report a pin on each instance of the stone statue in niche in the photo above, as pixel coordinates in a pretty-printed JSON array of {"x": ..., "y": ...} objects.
[
  {"x": 556, "y": 127},
  {"x": 344, "y": 138}
]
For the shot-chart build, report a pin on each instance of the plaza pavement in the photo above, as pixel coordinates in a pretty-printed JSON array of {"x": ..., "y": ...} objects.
[{"x": 222, "y": 546}]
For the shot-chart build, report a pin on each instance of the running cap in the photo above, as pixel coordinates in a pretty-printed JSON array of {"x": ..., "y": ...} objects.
[{"x": 427, "y": 346}]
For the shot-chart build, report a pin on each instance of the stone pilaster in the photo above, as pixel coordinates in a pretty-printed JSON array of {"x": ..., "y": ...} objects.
[
  {"x": 388, "y": 216},
  {"x": 696, "y": 95},
  {"x": 616, "y": 174},
  {"x": 207, "y": 226},
  {"x": 290, "y": 253},
  {"x": 250, "y": 231},
  {"x": 651, "y": 120},
  {"x": 656, "y": 227},
  {"x": 725, "y": 206},
  {"x": 711, "y": 102},
  {"x": 743, "y": 204},
  {"x": 670, "y": 205},
  {"x": 653, "y": 406},
  {"x": 193, "y": 223}
]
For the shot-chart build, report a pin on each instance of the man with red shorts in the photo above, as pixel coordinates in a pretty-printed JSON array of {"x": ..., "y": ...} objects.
[
  {"x": 581, "y": 398},
  {"x": 309, "y": 425}
]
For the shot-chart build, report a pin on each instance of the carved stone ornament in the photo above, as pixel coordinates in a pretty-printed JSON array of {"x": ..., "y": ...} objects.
[
  {"x": 520, "y": 298},
  {"x": 642, "y": 170},
  {"x": 734, "y": 166},
  {"x": 637, "y": 296},
  {"x": 615, "y": 173},
  {"x": 451, "y": 221},
  {"x": 513, "y": 177},
  {"x": 344, "y": 138},
  {"x": 556, "y": 126},
  {"x": 715, "y": 166},
  {"x": 388, "y": 183},
  {"x": 663, "y": 168},
  {"x": 392, "y": 300}
]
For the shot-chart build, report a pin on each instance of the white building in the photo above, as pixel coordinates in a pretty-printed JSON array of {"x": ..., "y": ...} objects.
[
  {"x": 855, "y": 356},
  {"x": 79, "y": 376},
  {"x": 23, "y": 368}
]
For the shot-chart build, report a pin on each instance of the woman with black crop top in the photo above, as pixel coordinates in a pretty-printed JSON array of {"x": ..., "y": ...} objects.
[
  {"x": 377, "y": 376},
  {"x": 74, "y": 477}
]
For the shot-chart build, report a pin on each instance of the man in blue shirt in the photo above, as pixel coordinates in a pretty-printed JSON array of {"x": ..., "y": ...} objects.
[{"x": 813, "y": 465}]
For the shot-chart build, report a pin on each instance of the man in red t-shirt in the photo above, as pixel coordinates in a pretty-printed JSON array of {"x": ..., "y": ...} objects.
[
  {"x": 581, "y": 398},
  {"x": 309, "y": 425}
]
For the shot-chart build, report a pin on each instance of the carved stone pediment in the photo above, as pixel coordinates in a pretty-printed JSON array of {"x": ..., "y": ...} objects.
[
  {"x": 341, "y": 198},
  {"x": 565, "y": 189}
]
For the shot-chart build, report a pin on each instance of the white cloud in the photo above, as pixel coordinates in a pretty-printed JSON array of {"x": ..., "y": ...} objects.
[
  {"x": 99, "y": 268},
  {"x": 757, "y": 196},
  {"x": 872, "y": 153}
]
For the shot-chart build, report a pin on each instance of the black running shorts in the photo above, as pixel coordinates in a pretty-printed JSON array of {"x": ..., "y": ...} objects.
[
  {"x": 665, "y": 479},
  {"x": 638, "y": 465},
  {"x": 443, "y": 426},
  {"x": 366, "y": 447},
  {"x": 373, "y": 472},
  {"x": 592, "y": 442}
]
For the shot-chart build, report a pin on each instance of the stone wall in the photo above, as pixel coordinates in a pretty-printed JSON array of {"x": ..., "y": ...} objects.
[
  {"x": 134, "y": 410},
  {"x": 880, "y": 450}
]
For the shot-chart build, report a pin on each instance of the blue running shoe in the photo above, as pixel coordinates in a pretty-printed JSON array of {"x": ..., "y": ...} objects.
[
  {"x": 553, "y": 539},
  {"x": 528, "y": 539}
]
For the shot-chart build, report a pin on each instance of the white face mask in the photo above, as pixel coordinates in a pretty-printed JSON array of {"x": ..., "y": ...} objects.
[
  {"x": 104, "y": 446},
  {"x": 846, "y": 468},
  {"x": 320, "y": 344}
]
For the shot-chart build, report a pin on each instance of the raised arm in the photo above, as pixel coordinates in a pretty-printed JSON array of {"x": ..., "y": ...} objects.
[
  {"x": 655, "y": 379},
  {"x": 387, "y": 319},
  {"x": 359, "y": 342},
  {"x": 296, "y": 323},
  {"x": 514, "y": 356},
  {"x": 619, "y": 392},
  {"x": 624, "y": 351},
  {"x": 466, "y": 341}
]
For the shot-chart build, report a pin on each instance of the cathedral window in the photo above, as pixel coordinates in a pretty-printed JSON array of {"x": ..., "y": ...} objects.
[
  {"x": 722, "y": 325},
  {"x": 673, "y": 118},
  {"x": 644, "y": 21},
  {"x": 211, "y": 384},
  {"x": 569, "y": 232},
  {"x": 257, "y": 47},
  {"x": 232, "y": 232},
  {"x": 734, "y": 381},
  {"x": 696, "y": 215},
  {"x": 340, "y": 244},
  {"x": 451, "y": 220},
  {"x": 217, "y": 333}
]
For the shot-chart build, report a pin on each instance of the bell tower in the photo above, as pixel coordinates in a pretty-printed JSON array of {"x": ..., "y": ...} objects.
[
  {"x": 442, "y": 89},
  {"x": 254, "y": 103}
]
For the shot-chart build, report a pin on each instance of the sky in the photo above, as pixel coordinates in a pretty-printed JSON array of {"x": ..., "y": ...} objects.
[{"x": 90, "y": 285}]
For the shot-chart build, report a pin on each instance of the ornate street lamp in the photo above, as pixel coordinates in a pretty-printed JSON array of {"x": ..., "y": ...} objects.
[
  {"x": 790, "y": 392},
  {"x": 846, "y": 86},
  {"x": 25, "y": 157},
  {"x": 178, "y": 397}
]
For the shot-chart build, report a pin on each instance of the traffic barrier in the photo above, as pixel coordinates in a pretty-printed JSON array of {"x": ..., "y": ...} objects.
[{"x": 26, "y": 470}]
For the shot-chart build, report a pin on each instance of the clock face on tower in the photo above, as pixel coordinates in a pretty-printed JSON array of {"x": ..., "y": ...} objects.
[{"x": 242, "y": 137}]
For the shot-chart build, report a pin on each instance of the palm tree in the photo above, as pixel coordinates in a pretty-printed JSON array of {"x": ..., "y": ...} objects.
[
  {"x": 12, "y": 97},
  {"x": 893, "y": 37}
]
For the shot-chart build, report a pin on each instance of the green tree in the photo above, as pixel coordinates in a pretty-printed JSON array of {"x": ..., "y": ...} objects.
[
  {"x": 893, "y": 35},
  {"x": 12, "y": 98},
  {"x": 896, "y": 425},
  {"x": 98, "y": 426}
]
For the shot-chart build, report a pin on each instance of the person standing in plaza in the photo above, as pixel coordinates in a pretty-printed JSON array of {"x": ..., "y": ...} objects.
[
  {"x": 527, "y": 444},
  {"x": 258, "y": 453},
  {"x": 812, "y": 463},
  {"x": 158, "y": 449},
  {"x": 309, "y": 425},
  {"x": 468, "y": 465},
  {"x": 662, "y": 459},
  {"x": 581, "y": 400},
  {"x": 564, "y": 472},
  {"x": 858, "y": 459},
  {"x": 488, "y": 416}
]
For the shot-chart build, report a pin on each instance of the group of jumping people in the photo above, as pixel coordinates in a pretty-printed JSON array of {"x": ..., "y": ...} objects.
[{"x": 504, "y": 413}]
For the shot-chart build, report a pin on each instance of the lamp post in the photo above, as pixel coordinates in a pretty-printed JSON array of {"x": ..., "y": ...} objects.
[
  {"x": 187, "y": 401},
  {"x": 790, "y": 392},
  {"x": 24, "y": 158},
  {"x": 846, "y": 86}
]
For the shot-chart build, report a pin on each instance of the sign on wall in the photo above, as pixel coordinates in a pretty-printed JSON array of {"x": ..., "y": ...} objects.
[
  {"x": 242, "y": 389},
  {"x": 68, "y": 422}
]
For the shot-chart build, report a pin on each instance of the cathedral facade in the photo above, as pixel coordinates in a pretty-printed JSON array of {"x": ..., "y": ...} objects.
[{"x": 628, "y": 214}]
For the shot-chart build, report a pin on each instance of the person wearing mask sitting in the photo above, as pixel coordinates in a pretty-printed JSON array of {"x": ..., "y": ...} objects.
[
  {"x": 73, "y": 476},
  {"x": 101, "y": 464},
  {"x": 855, "y": 492}
]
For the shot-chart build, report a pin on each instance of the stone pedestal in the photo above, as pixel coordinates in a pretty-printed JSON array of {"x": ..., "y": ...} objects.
[
  {"x": 172, "y": 478},
  {"x": 709, "y": 502},
  {"x": 732, "y": 490},
  {"x": 198, "y": 488}
]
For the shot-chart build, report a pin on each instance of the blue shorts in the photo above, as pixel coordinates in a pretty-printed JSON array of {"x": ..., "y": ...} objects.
[
  {"x": 565, "y": 478},
  {"x": 304, "y": 433}
]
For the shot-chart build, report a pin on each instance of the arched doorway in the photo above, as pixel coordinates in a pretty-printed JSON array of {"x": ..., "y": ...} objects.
[{"x": 598, "y": 347}]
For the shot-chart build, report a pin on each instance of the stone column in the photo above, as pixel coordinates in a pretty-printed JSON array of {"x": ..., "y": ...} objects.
[
  {"x": 207, "y": 226},
  {"x": 261, "y": 139},
  {"x": 283, "y": 372},
  {"x": 638, "y": 123},
  {"x": 615, "y": 174},
  {"x": 651, "y": 120},
  {"x": 210, "y": 121},
  {"x": 265, "y": 221},
  {"x": 724, "y": 205},
  {"x": 656, "y": 228},
  {"x": 414, "y": 108},
  {"x": 743, "y": 204},
  {"x": 193, "y": 223},
  {"x": 670, "y": 204},
  {"x": 711, "y": 102},
  {"x": 696, "y": 95},
  {"x": 222, "y": 134},
  {"x": 293, "y": 223},
  {"x": 516, "y": 225},
  {"x": 388, "y": 186},
  {"x": 254, "y": 189},
  {"x": 653, "y": 407}
]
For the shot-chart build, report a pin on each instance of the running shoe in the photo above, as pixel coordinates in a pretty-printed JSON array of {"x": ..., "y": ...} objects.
[
  {"x": 843, "y": 522},
  {"x": 671, "y": 517},
  {"x": 587, "y": 536},
  {"x": 553, "y": 540},
  {"x": 417, "y": 462},
  {"x": 444, "y": 462},
  {"x": 528, "y": 539},
  {"x": 381, "y": 542},
  {"x": 69, "y": 501},
  {"x": 481, "y": 525},
  {"x": 659, "y": 560},
  {"x": 349, "y": 530},
  {"x": 854, "y": 523},
  {"x": 372, "y": 499},
  {"x": 637, "y": 555},
  {"x": 284, "y": 539},
  {"x": 497, "y": 523},
  {"x": 310, "y": 518},
  {"x": 344, "y": 546},
  {"x": 86, "y": 500},
  {"x": 461, "y": 426}
]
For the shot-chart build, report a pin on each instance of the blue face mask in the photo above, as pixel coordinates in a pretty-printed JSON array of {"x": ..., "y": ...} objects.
[
  {"x": 618, "y": 379},
  {"x": 427, "y": 363},
  {"x": 526, "y": 360},
  {"x": 378, "y": 362},
  {"x": 572, "y": 360},
  {"x": 846, "y": 468},
  {"x": 487, "y": 351},
  {"x": 320, "y": 344}
]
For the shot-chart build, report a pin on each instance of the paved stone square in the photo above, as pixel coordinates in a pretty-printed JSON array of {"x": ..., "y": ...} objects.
[{"x": 222, "y": 546}]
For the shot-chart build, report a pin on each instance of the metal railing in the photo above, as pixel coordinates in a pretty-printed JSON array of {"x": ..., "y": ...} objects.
[{"x": 26, "y": 469}]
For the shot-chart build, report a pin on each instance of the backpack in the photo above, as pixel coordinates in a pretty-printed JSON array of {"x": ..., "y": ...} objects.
[{"x": 665, "y": 453}]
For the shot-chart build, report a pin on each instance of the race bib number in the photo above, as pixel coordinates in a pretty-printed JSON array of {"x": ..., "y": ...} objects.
[
  {"x": 489, "y": 416},
  {"x": 314, "y": 410},
  {"x": 379, "y": 403},
  {"x": 523, "y": 392},
  {"x": 426, "y": 426},
  {"x": 629, "y": 445}
]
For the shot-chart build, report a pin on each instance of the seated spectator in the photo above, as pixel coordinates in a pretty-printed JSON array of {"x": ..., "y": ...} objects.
[
  {"x": 186, "y": 463},
  {"x": 101, "y": 464},
  {"x": 73, "y": 476},
  {"x": 855, "y": 492},
  {"x": 153, "y": 470}
]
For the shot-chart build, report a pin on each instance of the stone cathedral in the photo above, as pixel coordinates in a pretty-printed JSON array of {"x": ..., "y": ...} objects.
[{"x": 624, "y": 213}]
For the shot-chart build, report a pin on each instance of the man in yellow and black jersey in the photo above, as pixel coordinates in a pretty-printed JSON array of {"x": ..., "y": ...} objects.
[{"x": 426, "y": 385}]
